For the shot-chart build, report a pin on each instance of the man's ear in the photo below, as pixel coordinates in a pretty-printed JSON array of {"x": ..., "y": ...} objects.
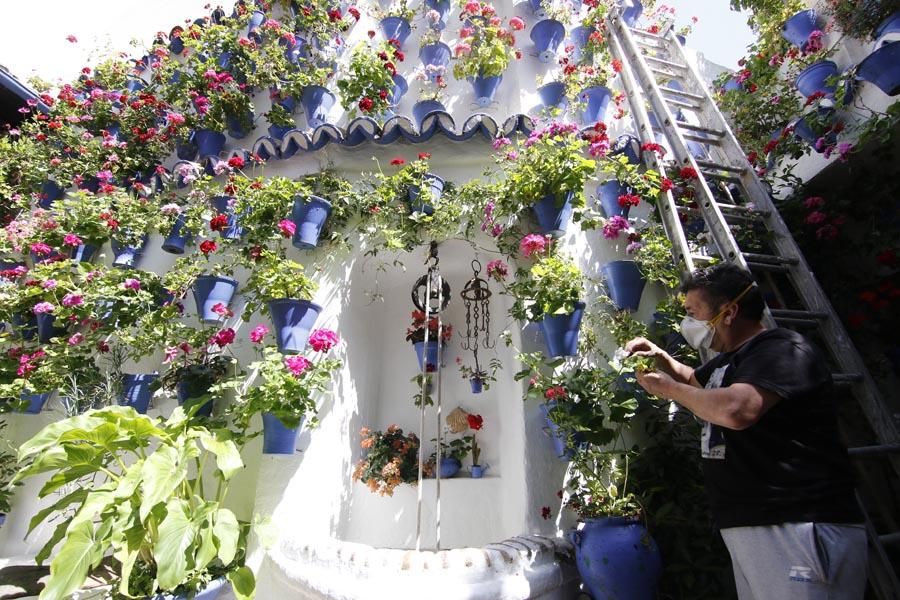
[{"x": 730, "y": 313}]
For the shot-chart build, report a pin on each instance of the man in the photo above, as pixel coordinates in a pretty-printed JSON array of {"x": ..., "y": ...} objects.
[{"x": 778, "y": 479}]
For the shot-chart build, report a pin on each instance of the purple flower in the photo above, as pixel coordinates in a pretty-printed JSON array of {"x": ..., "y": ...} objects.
[
  {"x": 105, "y": 176},
  {"x": 49, "y": 284},
  {"x": 72, "y": 299},
  {"x": 41, "y": 249},
  {"x": 844, "y": 149},
  {"x": 614, "y": 226},
  {"x": 43, "y": 307},
  {"x": 633, "y": 247},
  {"x": 500, "y": 142},
  {"x": 132, "y": 284}
]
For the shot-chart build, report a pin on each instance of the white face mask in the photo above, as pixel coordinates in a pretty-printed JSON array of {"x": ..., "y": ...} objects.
[{"x": 699, "y": 334}]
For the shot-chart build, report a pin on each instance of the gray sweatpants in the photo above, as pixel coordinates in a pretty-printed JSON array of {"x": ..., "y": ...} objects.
[{"x": 798, "y": 561}]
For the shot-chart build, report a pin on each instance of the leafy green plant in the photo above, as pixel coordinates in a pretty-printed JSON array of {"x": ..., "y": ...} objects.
[
  {"x": 275, "y": 277},
  {"x": 485, "y": 376},
  {"x": 7, "y": 470},
  {"x": 654, "y": 258},
  {"x": 392, "y": 459},
  {"x": 368, "y": 82},
  {"x": 552, "y": 286},
  {"x": 457, "y": 448},
  {"x": 484, "y": 49},
  {"x": 144, "y": 496}
]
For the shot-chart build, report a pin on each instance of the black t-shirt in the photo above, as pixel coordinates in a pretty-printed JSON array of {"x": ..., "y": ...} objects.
[{"x": 790, "y": 465}]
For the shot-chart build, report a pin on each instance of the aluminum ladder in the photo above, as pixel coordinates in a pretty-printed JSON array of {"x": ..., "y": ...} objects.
[{"x": 647, "y": 61}]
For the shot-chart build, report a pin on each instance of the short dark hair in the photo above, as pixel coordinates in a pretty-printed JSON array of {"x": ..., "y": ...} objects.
[{"x": 723, "y": 282}]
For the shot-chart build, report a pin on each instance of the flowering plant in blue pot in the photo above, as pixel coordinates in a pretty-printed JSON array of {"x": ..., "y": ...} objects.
[
  {"x": 485, "y": 48},
  {"x": 367, "y": 84}
]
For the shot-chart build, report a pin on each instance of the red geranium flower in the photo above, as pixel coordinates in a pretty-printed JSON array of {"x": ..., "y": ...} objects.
[
  {"x": 366, "y": 104},
  {"x": 688, "y": 173},
  {"x": 424, "y": 156},
  {"x": 207, "y": 246},
  {"x": 219, "y": 222},
  {"x": 398, "y": 161},
  {"x": 476, "y": 422},
  {"x": 236, "y": 162}
]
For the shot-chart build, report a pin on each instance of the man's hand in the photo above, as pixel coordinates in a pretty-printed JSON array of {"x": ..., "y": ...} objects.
[
  {"x": 656, "y": 383},
  {"x": 643, "y": 347}
]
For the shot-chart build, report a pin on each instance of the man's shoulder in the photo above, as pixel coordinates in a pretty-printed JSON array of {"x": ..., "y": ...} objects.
[{"x": 777, "y": 337}]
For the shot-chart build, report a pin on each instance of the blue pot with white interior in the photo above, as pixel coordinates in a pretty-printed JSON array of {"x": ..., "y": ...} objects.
[
  {"x": 485, "y": 88},
  {"x": 814, "y": 78},
  {"x": 427, "y": 354},
  {"x": 547, "y": 35},
  {"x": 553, "y": 95},
  {"x": 209, "y": 142},
  {"x": 423, "y": 108},
  {"x": 317, "y": 102},
  {"x": 882, "y": 68},
  {"x": 632, "y": 12},
  {"x": 594, "y": 101},
  {"x": 127, "y": 257},
  {"x": 177, "y": 239},
  {"x": 395, "y": 28},
  {"x": 796, "y": 30},
  {"x": 435, "y": 55}
]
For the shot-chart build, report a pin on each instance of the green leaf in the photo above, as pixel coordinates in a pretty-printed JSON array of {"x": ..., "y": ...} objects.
[
  {"x": 242, "y": 583},
  {"x": 81, "y": 552},
  {"x": 162, "y": 472},
  {"x": 49, "y": 435},
  {"x": 176, "y": 536},
  {"x": 227, "y": 532},
  {"x": 228, "y": 457},
  {"x": 47, "y": 549},
  {"x": 77, "y": 496}
]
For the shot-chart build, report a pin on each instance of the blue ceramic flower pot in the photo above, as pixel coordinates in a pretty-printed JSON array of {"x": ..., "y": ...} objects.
[
  {"x": 477, "y": 385},
  {"x": 224, "y": 205},
  {"x": 296, "y": 51},
  {"x": 889, "y": 25},
  {"x": 485, "y": 88},
  {"x": 681, "y": 39},
  {"x": 558, "y": 437},
  {"x": 50, "y": 191},
  {"x": 449, "y": 467},
  {"x": 547, "y": 35},
  {"x": 595, "y": 101},
  {"x": 237, "y": 125},
  {"x": 209, "y": 142},
  {"x": 617, "y": 558},
  {"x": 632, "y": 12},
  {"x": 561, "y": 332},
  {"x": 278, "y": 131},
  {"x": 293, "y": 320},
  {"x": 804, "y": 130},
  {"x": 628, "y": 146},
  {"x": 579, "y": 38},
  {"x": 435, "y": 55},
  {"x": 277, "y": 438},
  {"x": 427, "y": 355},
  {"x": 83, "y": 253},
  {"x": 186, "y": 149},
  {"x": 477, "y": 471},
  {"x": 553, "y": 216},
  {"x": 136, "y": 391},
  {"x": 127, "y": 257},
  {"x": 257, "y": 18},
  {"x": 608, "y": 192},
  {"x": 317, "y": 102},
  {"x": 442, "y": 7},
  {"x": 176, "y": 240},
  {"x": 210, "y": 290},
  {"x": 212, "y": 591},
  {"x": 731, "y": 85},
  {"x": 398, "y": 91},
  {"x": 395, "y": 28},
  {"x": 423, "y": 108},
  {"x": 134, "y": 85},
  {"x": 624, "y": 283},
  {"x": 814, "y": 78},
  {"x": 537, "y": 9},
  {"x": 882, "y": 68},
  {"x": 309, "y": 216},
  {"x": 435, "y": 187},
  {"x": 796, "y": 30},
  {"x": 553, "y": 95},
  {"x": 25, "y": 325},
  {"x": 189, "y": 394},
  {"x": 35, "y": 402},
  {"x": 46, "y": 329}
]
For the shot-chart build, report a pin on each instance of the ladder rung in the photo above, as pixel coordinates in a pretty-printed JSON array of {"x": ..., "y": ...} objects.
[
  {"x": 889, "y": 538},
  {"x": 666, "y": 63},
  {"x": 737, "y": 208},
  {"x": 682, "y": 93},
  {"x": 809, "y": 315},
  {"x": 721, "y": 176},
  {"x": 874, "y": 451},
  {"x": 647, "y": 34},
  {"x": 792, "y": 322},
  {"x": 683, "y": 104},
  {"x": 668, "y": 75},
  {"x": 703, "y": 257},
  {"x": 761, "y": 266},
  {"x": 770, "y": 259},
  {"x": 701, "y": 129},
  {"x": 846, "y": 378},
  {"x": 696, "y": 137},
  {"x": 720, "y": 167}
]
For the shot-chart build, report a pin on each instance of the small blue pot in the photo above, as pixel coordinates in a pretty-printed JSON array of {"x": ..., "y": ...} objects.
[
  {"x": 624, "y": 283},
  {"x": 209, "y": 142},
  {"x": 804, "y": 131},
  {"x": 558, "y": 437},
  {"x": 317, "y": 102},
  {"x": 223, "y": 205},
  {"x": 731, "y": 85},
  {"x": 309, "y": 216},
  {"x": 443, "y": 9},
  {"x": 127, "y": 257},
  {"x": 485, "y": 88},
  {"x": 210, "y": 290},
  {"x": 477, "y": 471},
  {"x": 632, "y": 12},
  {"x": 681, "y": 39},
  {"x": 629, "y": 146},
  {"x": 293, "y": 320},
  {"x": 796, "y": 30},
  {"x": 423, "y": 108},
  {"x": 882, "y": 68},
  {"x": 189, "y": 393},
  {"x": 427, "y": 355},
  {"x": 608, "y": 192},
  {"x": 257, "y": 18},
  {"x": 579, "y": 38},
  {"x": 435, "y": 186},
  {"x": 449, "y": 467},
  {"x": 186, "y": 149},
  {"x": 561, "y": 332},
  {"x": 477, "y": 385},
  {"x": 537, "y": 9},
  {"x": 395, "y": 28},
  {"x": 83, "y": 253},
  {"x": 553, "y": 217},
  {"x": 296, "y": 51},
  {"x": 553, "y": 95},
  {"x": 45, "y": 327},
  {"x": 595, "y": 100},
  {"x": 50, "y": 191},
  {"x": 398, "y": 91},
  {"x": 547, "y": 35},
  {"x": 136, "y": 391},
  {"x": 437, "y": 55},
  {"x": 35, "y": 402},
  {"x": 814, "y": 78},
  {"x": 176, "y": 240},
  {"x": 278, "y": 439}
]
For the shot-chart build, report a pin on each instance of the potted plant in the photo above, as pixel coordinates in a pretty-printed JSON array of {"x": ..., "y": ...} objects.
[
  {"x": 453, "y": 452},
  {"x": 394, "y": 21},
  {"x": 434, "y": 54},
  {"x": 427, "y": 351},
  {"x": 476, "y": 422},
  {"x": 431, "y": 93},
  {"x": 132, "y": 219},
  {"x": 479, "y": 379},
  {"x": 629, "y": 185},
  {"x": 391, "y": 459},
  {"x": 182, "y": 537},
  {"x": 197, "y": 361},
  {"x": 80, "y": 228},
  {"x": 321, "y": 208},
  {"x": 371, "y": 84},
  {"x": 182, "y": 222},
  {"x": 484, "y": 49}
]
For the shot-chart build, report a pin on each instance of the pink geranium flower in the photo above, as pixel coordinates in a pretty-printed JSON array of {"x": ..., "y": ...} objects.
[
  {"x": 132, "y": 284},
  {"x": 76, "y": 338},
  {"x": 258, "y": 333},
  {"x": 297, "y": 364},
  {"x": 287, "y": 228},
  {"x": 223, "y": 337},
  {"x": 323, "y": 340},
  {"x": 517, "y": 23},
  {"x": 72, "y": 240},
  {"x": 41, "y": 249},
  {"x": 72, "y": 299},
  {"x": 43, "y": 307},
  {"x": 497, "y": 269},
  {"x": 532, "y": 244}
]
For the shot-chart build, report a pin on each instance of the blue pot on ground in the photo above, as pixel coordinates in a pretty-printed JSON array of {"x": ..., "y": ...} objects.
[
  {"x": 136, "y": 391},
  {"x": 552, "y": 215},
  {"x": 435, "y": 55},
  {"x": 209, "y": 142},
  {"x": 317, "y": 102},
  {"x": 553, "y": 95},
  {"x": 547, "y": 35},
  {"x": 127, "y": 257},
  {"x": 395, "y": 28},
  {"x": 45, "y": 327},
  {"x": 561, "y": 332},
  {"x": 632, "y": 12},
  {"x": 449, "y": 467},
  {"x": 435, "y": 187},
  {"x": 293, "y": 320},
  {"x": 629, "y": 146},
  {"x": 309, "y": 216},
  {"x": 189, "y": 394},
  {"x": 477, "y": 384},
  {"x": 579, "y": 37},
  {"x": 223, "y": 204},
  {"x": 442, "y": 7},
  {"x": 427, "y": 354},
  {"x": 50, "y": 191},
  {"x": 176, "y": 240},
  {"x": 608, "y": 192},
  {"x": 617, "y": 558},
  {"x": 796, "y": 30},
  {"x": 278, "y": 438},
  {"x": 882, "y": 68},
  {"x": 814, "y": 78},
  {"x": 423, "y": 108},
  {"x": 398, "y": 91},
  {"x": 210, "y": 290},
  {"x": 624, "y": 283},
  {"x": 485, "y": 88},
  {"x": 595, "y": 100},
  {"x": 83, "y": 252},
  {"x": 35, "y": 402}
]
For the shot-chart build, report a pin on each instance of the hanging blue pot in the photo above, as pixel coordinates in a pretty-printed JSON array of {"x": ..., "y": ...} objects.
[
  {"x": 186, "y": 149},
  {"x": 176, "y": 45},
  {"x": 681, "y": 39},
  {"x": 176, "y": 240},
  {"x": 45, "y": 327},
  {"x": 189, "y": 393},
  {"x": 617, "y": 558},
  {"x": 293, "y": 320},
  {"x": 317, "y": 102},
  {"x": 485, "y": 88},
  {"x": 608, "y": 192},
  {"x": 450, "y": 466},
  {"x": 889, "y": 25},
  {"x": 309, "y": 216},
  {"x": 882, "y": 68},
  {"x": 225, "y": 206},
  {"x": 236, "y": 125},
  {"x": 257, "y": 18},
  {"x": 628, "y": 146},
  {"x": 134, "y": 85},
  {"x": 50, "y": 191},
  {"x": 632, "y": 12},
  {"x": 435, "y": 187},
  {"x": 279, "y": 131},
  {"x": 398, "y": 91},
  {"x": 537, "y": 9},
  {"x": 423, "y": 108},
  {"x": 477, "y": 385},
  {"x": 796, "y": 30},
  {"x": 553, "y": 95},
  {"x": 558, "y": 437},
  {"x": 552, "y": 215},
  {"x": 427, "y": 355},
  {"x": 297, "y": 51},
  {"x": 210, "y": 290},
  {"x": 561, "y": 332},
  {"x": 278, "y": 438},
  {"x": 814, "y": 78},
  {"x": 594, "y": 100},
  {"x": 35, "y": 402},
  {"x": 25, "y": 325},
  {"x": 732, "y": 85},
  {"x": 442, "y": 7},
  {"x": 83, "y": 253},
  {"x": 136, "y": 391},
  {"x": 209, "y": 142},
  {"x": 547, "y": 35},
  {"x": 395, "y": 28},
  {"x": 435, "y": 55},
  {"x": 624, "y": 283},
  {"x": 804, "y": 130},
  {"x": 579, "y": 37},
  {"x": 127, "y": 257}
]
